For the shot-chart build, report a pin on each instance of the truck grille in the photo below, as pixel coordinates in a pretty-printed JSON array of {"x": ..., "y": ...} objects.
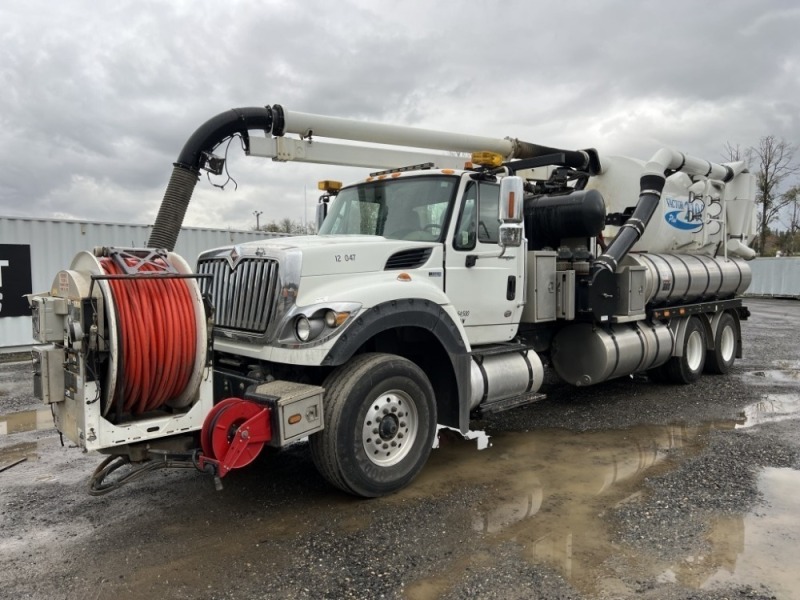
[{"x": 244, "y": 297}]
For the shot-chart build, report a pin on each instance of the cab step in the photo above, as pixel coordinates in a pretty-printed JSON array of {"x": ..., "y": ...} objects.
[{"x": 497, "y": 406}]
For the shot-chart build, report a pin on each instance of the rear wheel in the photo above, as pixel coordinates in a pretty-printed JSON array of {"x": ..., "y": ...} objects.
[
  {"x": 380, "y": 420},
  {"x": 721, "y": 358},
  {"x": 688, "y": 367}
]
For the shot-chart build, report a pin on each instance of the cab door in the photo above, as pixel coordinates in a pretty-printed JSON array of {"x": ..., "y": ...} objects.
[{"x": 486, "y": 289}]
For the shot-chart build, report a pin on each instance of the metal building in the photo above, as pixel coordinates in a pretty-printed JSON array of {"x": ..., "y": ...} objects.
[
  {"x": 777, "y": 277},
  {"x": 32, "y": 251}
]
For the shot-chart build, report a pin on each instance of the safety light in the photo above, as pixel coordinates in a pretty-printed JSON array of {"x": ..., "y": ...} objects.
[
  {"x": 490, "y": 160},
  {"x": 330, "y": 186}
]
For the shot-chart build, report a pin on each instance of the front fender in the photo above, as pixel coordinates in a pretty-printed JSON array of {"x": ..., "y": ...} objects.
[
  {"x": 441, "y": 321},
  {"x": 407, "y": 312}
]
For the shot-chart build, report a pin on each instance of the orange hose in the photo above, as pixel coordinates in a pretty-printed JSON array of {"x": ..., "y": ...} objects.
[{"x": 156, "y": 334}]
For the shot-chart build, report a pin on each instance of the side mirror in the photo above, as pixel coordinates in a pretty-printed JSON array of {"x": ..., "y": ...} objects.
[
  {"x": 510, "y": 235},
  {"x": 510, "y": 208},
  {"x": 510, "y": 213}
]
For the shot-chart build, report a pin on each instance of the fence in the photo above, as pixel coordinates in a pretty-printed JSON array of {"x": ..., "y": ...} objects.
[{"x": 776, "y": 277}]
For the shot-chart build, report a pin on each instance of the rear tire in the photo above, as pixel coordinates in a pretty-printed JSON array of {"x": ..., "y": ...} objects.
[
  {"x": 689, "y": 367},
  {"x": 721, "y": 358},
  {"x": 380, "y": 420}
]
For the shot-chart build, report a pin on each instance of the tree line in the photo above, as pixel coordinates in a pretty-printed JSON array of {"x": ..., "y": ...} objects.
[
  {"x": 287, "y": 225},
  {"x": 774, "y": 165}
]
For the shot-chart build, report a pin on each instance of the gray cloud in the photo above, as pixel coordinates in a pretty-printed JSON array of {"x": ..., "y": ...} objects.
[{"x": 98, "y": 99}]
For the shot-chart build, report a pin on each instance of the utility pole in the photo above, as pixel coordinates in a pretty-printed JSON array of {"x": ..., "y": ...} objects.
[{"x": 258, "y": 213}]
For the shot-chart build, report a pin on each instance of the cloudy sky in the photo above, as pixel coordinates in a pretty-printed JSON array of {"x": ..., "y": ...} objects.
[{"x": 98, "y": 98}]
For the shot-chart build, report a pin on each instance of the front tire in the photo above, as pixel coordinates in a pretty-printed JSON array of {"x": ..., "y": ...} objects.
[
  {"x": 380, "y": 420},
  {"x": 689, "y": 367}
]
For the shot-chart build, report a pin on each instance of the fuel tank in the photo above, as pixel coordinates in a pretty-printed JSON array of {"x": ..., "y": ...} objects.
[{"x": 501, "y": 376}]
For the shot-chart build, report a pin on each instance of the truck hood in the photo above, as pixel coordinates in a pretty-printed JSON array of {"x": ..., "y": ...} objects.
[{"x": 331, "y": 254}]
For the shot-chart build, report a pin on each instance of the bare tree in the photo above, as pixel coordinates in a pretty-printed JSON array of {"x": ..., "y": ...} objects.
[
  {"x": 791, "y": 219},
  {"x": 734, "y": 152},
  {"x": 775, "y": 159}
]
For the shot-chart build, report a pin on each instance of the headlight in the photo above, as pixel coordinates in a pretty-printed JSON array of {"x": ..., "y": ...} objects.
[
  {"x": 302, "y": 328},
  {"x": 306, "y": 329},
  {"x": 316, "y": 323}
]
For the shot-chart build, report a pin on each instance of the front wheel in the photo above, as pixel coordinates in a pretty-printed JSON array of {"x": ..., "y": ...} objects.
[{"x": 380, "y": 420}]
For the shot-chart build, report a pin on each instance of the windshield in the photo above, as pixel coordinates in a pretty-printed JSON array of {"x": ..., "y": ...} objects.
[{"x": 406, "y": 208}]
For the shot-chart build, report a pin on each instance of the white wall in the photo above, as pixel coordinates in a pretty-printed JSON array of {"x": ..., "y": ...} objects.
[{"x": 53, "y": 244}]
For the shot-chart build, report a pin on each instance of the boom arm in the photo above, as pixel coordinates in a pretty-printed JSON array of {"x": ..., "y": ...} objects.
[{"x": 276, "y": 122}]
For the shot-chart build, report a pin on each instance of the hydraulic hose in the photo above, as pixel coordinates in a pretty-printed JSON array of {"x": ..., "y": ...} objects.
[
  {"x": 156, "y": 334},
  {"x": 208, "y": 136}
]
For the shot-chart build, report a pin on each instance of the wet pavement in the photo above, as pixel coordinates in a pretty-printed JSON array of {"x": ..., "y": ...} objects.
[{"x": 626, "y": 489}]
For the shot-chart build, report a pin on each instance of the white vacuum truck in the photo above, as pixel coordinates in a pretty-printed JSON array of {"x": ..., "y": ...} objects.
[{"x": 441, "y": 285}]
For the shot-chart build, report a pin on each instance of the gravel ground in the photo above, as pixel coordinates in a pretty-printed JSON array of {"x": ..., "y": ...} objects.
[{"x": 626, "y": 489}]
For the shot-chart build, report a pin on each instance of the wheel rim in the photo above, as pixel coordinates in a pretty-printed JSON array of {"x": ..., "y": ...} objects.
[
  {"x": 390, "y": 428},
  {"x": 727, "y": 344},
  {"x": 694, "y": 350}
]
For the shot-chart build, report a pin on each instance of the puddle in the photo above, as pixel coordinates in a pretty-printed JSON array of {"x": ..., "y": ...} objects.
[
  {"x": 787, "y": 374},
  {"x": 773, "y": 408},
  {"x": 760, "y": 545},
  {"x": 547, "y": 490},
  {"x": 548, "y": 493},
  {"x": 28, "y": 420},
  {"x": 11, "y": 454}
]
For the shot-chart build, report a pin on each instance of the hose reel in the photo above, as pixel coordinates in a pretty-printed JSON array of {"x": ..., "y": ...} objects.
[{"x": 156, "y": 329}]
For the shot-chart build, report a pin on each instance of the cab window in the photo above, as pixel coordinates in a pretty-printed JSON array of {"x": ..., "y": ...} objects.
[{"x": 478, "y": 218}]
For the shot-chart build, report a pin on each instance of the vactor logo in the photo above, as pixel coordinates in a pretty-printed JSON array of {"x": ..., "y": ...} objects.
[{"x": 686, "y": 215}]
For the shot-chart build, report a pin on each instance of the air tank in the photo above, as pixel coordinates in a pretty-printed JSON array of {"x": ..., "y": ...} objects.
[{"x": 586, "y": 353}]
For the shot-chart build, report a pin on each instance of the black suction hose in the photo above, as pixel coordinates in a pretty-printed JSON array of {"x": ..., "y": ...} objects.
[
  {"x": 583, "y": 160},
  {"x": 602, "y": 289},
  {"x": 649, "y": 197},
  {"x": 186, "y": 170}
]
